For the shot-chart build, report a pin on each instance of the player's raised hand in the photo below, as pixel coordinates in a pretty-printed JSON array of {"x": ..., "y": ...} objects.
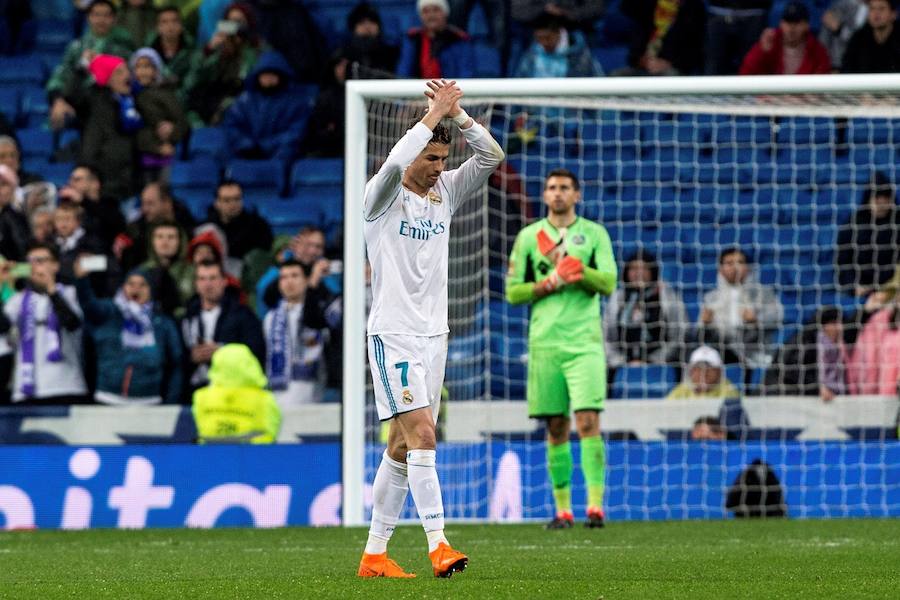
[{"x": 443, "y": 97}]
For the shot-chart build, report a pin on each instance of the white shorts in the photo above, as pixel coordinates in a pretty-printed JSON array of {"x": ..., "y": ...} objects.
[{"x": 407, "y": 372}]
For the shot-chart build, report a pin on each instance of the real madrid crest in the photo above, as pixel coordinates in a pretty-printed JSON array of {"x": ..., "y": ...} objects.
[
  {"x": 407, "y": 397},
  {"x": 434, "y": 198}
]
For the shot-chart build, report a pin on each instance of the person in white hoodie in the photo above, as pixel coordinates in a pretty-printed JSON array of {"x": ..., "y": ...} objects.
[{"x": 738, "y": 316}]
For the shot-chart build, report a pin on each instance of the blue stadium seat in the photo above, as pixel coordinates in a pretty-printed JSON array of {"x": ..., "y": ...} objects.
[
  {"x": 872, "y": 131},
  {"x": 258, "y": 174},
  {"x": 35, "y": 143},
  {"x": 9, "y": 103},
  {"x": 735, "y": 374},
  {"x": 197, "y": 200},
  {"x": 611, "y": 57},
  {"x": 34, "y": 108},
  {"x": 17, "y": 70},
  {"x": 56, "y": 173},
  {"x": 805, "y": 131},
  {"x": 54, "y": 34},
  {"x": 317, "y": 171},
  {"x": 289, "y": 215},
  {"x": 199, "y": 173},
  {"x": 208, "y": 141},
  {"x": 643, "y": 382},
  {"x": 488, "y": 62}
]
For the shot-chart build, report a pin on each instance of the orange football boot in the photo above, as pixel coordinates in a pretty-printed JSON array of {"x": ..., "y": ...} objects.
[
  {"x": 447, "y": 561},
  {"x": 379, "y": 565}
]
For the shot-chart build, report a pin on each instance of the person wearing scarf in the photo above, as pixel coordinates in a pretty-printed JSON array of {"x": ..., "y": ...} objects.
[
  {"x": 138, "y": 349},
  {"x": 294, "y": 340},
  {"x": 47, "y": 319}
]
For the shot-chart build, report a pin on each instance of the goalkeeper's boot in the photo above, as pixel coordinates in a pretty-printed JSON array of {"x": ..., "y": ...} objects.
[
  {"x": 564, "y": 519},
  {"x": 379, "y": 565},
  {"x": 594, "y": 517},
  {"x": 447, "y": 561}
]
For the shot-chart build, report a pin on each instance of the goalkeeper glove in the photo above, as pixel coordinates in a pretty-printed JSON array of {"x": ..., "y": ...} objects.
[
  {"x": 569, "y": 270},
  {"x": 554, "y": 251}
]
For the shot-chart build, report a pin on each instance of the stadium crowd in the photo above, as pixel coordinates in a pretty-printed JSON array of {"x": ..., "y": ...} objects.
[{"x": 118, "y": 289}]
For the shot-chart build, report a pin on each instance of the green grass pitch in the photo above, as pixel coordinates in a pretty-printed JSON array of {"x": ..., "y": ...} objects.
[{"x": 694, "y": 559}]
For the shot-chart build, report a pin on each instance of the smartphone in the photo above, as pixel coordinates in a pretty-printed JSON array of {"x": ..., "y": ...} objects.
[
  {"x": 227, "y": 27},
  {"x": 93, "y": 264},
  {"x": 335, "y": 267}
]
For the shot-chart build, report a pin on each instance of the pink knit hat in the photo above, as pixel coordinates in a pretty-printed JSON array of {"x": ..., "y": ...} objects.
[{"x": 102, "y": 67}]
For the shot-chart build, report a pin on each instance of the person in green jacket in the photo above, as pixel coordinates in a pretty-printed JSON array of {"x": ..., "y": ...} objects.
[
  {"x": 174, "y": 45},
  {"x": 70, "y": 81},
  {"x": 138, "y": 17},
  {"x": 236, "y": 407}
]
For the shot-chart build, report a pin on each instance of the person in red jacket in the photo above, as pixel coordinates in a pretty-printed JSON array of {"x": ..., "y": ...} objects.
[{"x": 789, "y": 50}]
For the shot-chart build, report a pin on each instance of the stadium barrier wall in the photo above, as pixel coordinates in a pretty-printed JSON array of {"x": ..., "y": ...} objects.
[{"x": 137, "y": 486}]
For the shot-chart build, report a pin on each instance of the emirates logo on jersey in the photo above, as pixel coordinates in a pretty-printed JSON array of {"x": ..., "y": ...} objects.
[{"x": 434, "y": 198}]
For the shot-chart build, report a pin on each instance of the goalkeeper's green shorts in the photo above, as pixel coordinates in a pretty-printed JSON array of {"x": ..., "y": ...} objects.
[{"x": 560, "y": 382}]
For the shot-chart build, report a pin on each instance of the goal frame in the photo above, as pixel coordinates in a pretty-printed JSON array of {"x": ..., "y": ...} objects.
[{"x": 355, "y": 176}]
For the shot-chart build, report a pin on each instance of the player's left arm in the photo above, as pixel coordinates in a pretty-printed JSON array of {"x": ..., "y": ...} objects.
[
  {"x": 472, "y": 174},
  {"x": 600, "y": 273}
]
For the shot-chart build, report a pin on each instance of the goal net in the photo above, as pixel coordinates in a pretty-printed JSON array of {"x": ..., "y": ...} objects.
[{"x": 679, "y": 171}]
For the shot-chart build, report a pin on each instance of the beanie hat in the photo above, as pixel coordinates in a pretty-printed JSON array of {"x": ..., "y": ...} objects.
[
  {"x": 9, "y": 176},
  {"x": 102, "y": 67},
  {"x": 152, "y": 55},
  {"x": 142, "y": 273},
  {"x": 442, "y": 4}
]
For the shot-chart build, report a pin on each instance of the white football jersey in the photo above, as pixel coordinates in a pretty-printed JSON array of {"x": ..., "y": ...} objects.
[{"x": 407, "y": 235}]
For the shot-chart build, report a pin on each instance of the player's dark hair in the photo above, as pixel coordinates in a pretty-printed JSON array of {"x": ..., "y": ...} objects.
[
  {"x": 564, "y": 173},
  {"x": 108, "y": 3},
  {"x": 732, "y": 250},
  {"x": 547, "y": 20},
  {"x": 440, "y": 134},
  {"x": 646, "y": 258},
  {"x": 51, "y": 248},
  {"x": 830, "y": 314}
]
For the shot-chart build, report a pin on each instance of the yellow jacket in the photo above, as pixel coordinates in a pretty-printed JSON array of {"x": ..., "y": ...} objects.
[
  {"x": 235, "y": 407},
  {"x": 685, "y": 390}
]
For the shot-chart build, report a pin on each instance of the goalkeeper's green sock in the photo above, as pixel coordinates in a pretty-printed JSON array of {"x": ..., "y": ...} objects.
[
  {"x": 559, "y": 463},
  {"x": 593, "y": 465}
]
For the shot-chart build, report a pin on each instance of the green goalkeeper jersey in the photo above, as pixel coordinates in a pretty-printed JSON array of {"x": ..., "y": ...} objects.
[{"x": 570, "y": 317}]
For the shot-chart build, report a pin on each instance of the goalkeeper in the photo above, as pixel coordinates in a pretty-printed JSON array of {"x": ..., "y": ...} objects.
[{"x": 561, "y": 264}]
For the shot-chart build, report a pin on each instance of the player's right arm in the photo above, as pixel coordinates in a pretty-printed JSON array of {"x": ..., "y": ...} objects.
[
  {"x": 384, "y": 188},
  {"x": 518, "y": 290}
]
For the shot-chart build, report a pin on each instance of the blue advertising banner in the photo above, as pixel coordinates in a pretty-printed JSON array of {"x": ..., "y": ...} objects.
[{"x": 299, "y": 484}]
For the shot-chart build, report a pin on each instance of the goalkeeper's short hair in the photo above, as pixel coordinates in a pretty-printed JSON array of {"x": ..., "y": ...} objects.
[{"x": 564, "y": 173}]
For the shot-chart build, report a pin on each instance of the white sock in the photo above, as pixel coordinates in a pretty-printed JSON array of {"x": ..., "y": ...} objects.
[
  {"x": 426, "y": 492},
  {"x": 388, "y": 497}
]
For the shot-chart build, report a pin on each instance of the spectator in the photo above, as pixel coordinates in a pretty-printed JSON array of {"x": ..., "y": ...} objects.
[
  {"x": 157, "y": 205},
  {"x": 111, "y": 126},
  {"x": 17, "y": 27},
  {"x": 324, "y": 135},
  {"x": 236, "y": 407},
  {"x": 101, "y": 215},
  {"x": 210, "y": 13},
  {"x": 644, "y": 321},
  {"x": 69, "y": 81},
  {"x": 269, "y": 117},
  {"x": 218, "y": 71},
  {"x": 557, "y": 52},
  {"x": 71, "y": 239},
  {"x": 794, "y": 368},
  {"x": 216, "y": 317},
  {"x": 209, "y": 244},
  {"x": 170, "y": 275},
  {"x": 367, "y": 52},
  {"x": 665, "y": 42},
  {"x": 294, "y": 341},
  {"x": 138, "y": 18},
  {"x": 174, "y": 45},
  {"x": 47, "y": 318},
  {"x": 874, "y": 365},
  {"x": 789, "y": 50},
  {"x": 875, "y": 48},
  {"x": 868, "y": 246},
  {"x": 289, "y": 28},
  {"x": 42, "y": 225},
  {"x": 14, "y": 230},
  {"x": 705, "y": 378},
  {"x": 740, "y": 313},
  {"x": 842, "y": 19},
  {"x": 580, "y": 13},
  {"x": 436, "y": 49},
  {"x": 708, "y": 429},
  {"x": 138, "y": 349},
  {"x": 308, "y": 249},
  {"x": 831, "y": 355},
  {"x": 732, "y": 27},
  {"x": 165, "y": 124},
  {"x": 244, "y": 230},
  {"x": 11, "y": 157}
]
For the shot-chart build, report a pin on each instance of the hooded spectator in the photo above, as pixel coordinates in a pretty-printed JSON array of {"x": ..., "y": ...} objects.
[
  {"x": 111, "y": 126},
  {"x": 289, "y": 28},
  {"x": 436, "y": 49},
  {"x": 367, "y": 52},
  {"x": 268, "y": 119},
  {"x": 138, "y": 348},
  {"x": 165, "y": 124}
]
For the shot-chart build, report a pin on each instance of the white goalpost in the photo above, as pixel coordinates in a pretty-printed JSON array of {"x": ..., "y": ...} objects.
[{"x": 684, "y": 166}]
